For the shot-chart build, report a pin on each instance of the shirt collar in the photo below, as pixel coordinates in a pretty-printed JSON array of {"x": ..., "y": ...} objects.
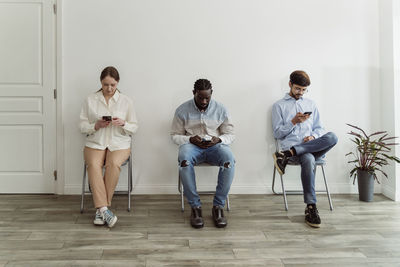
[
  {"x": 195, "y": 106},
  {"x": 288, "y": 97},
  {"x": 115, "y": 97}
]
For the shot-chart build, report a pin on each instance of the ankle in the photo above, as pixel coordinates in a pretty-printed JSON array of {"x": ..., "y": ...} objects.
[{"x": 103, "y": 209}]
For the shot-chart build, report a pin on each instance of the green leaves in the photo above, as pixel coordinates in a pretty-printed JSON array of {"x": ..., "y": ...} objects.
[{"x": 371, "y": 151}]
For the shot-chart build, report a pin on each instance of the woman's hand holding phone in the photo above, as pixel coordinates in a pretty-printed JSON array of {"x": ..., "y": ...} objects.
[
  {"x": 118, "y": 122},
  {"x": 101, "y": 124}
]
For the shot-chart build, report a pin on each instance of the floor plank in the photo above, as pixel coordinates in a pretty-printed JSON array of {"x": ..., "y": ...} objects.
[{"x": 49, "y": 230}]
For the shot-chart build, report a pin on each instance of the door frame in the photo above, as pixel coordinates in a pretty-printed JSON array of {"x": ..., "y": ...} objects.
[{"x": 60, "y": 182}]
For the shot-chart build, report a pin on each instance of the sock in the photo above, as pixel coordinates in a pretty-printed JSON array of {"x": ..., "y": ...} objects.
[
  {"x": 103, "y": 209},
  {"x": 313, "y": 205},
  {"x": 287, "y": 153},
  {"x": 293, "y": 151}
]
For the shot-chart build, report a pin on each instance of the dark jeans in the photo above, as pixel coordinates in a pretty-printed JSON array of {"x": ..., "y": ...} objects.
[{"x": 306, "y": 155}]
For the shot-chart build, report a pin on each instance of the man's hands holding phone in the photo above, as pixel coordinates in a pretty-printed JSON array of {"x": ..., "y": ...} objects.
[
  {"x": 202, "y": 143},
  {"x": 107, "y": 120},
  {"x": 301, "y": 117}
]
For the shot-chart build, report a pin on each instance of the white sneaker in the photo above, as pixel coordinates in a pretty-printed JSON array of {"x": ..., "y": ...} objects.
[
  {"x": 109, "y": 218},
  {"x": 98, "y": 218}
]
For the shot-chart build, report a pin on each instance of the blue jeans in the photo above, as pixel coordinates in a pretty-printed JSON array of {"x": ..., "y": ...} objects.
[
  {"x": 306, "y": 155},
  {"x": 217, "y": 155}
]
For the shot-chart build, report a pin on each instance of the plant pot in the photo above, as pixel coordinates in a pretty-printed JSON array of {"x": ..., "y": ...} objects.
[{"x": 365, "y": 186}]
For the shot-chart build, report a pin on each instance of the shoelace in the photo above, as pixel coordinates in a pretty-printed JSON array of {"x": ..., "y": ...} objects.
[
  {"x": 107, "y": 215},
  {"x": 197, "y": 213},
  {"x": 220, "y": 213},
  {"x": 312, "y": 211},
  {"x": 98, "y": 214}
]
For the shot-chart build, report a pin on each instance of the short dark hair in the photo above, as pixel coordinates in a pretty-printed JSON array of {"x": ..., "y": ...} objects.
[
  {"x": 202, "y": 84},
  {"x": 300, "y": 77},
  {"x": 110, "y": 71}
]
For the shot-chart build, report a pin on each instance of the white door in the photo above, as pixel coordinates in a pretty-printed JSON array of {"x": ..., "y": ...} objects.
[{"x": 27, "y": 104}]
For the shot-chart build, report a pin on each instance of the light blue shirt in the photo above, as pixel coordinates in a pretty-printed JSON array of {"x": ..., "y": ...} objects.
[
  {"x": 190, "y": 121},
  {"x": 284, "y": 110}
]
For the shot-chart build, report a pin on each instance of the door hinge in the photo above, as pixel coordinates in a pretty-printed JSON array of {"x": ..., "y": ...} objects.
[
  {"x": 55, "y": 93},
  {"x": 55, "y": 8},
  {"x": 55, "y": 175}
]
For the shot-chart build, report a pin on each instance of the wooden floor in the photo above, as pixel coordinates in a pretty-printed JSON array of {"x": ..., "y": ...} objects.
[{"x": 37, "y": 230}]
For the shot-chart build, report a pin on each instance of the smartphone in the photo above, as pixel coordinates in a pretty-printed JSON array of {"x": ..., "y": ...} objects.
[
  {"x": 107, "y": 118},
  {"x": 307, "y": 113},
  {"x": 206, "y": 139}
]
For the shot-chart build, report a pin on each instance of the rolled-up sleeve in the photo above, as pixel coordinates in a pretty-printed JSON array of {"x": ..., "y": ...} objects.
[
  {"x": 131, "y": 123},
  {"x": 85, "y": 125},
  {"x": 280, "y": 128},
  {"x": 178, "y": 132},
  {"x": 226, "y": 130}
]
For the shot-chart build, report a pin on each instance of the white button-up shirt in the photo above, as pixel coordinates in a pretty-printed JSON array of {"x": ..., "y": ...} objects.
[{"x": 111, "y": 137}]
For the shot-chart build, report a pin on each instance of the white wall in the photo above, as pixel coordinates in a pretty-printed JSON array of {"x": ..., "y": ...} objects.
[
  {"x": 247, "y": 49},
  {"x": 390, "y": 85}
]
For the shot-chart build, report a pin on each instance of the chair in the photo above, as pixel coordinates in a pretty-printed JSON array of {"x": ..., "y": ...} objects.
[
  {"x": 129, "y": 190},
  {"x": 284, "y": 192},
  {"x": 180, "y": 189}
]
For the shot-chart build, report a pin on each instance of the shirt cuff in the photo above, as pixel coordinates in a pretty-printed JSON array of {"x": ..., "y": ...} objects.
[
  {"x": 223, "y": 140},
  {"x": 186, "y": 139},
  {"x": 91, "y": 129},
  {"x": 126, "y": 129}
]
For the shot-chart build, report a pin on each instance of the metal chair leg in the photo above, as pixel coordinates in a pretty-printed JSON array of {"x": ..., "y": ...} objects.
[
  {"x": 273, "y": 182},
  {"x": 180, "y": 188},
  {"x": 284, "y": 195},
  {"x": 129, "y": 182},
  {"x": 327, "y": 188},
  {"x": 83, "y": 186},
  {"x": 181, "y": 191}
]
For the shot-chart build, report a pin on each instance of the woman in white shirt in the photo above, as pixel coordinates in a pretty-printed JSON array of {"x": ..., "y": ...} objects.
[{"x": 108, "y": 120}]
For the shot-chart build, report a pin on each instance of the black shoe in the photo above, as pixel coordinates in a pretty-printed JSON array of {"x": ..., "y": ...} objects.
[
  {"x": 218, "y": 217},
  {"x": 312, "y": 216},
  {"x": 196, "y": 219},
  {"x": 280, "y": 161}
]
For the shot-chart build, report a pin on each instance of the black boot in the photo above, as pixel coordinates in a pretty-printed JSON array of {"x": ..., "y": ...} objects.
[
  {"x": 196, "y": 218},
  {"x": 218, "y": 217}
]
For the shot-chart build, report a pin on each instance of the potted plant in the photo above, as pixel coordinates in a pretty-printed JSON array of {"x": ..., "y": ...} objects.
[{"x": 370, "y": 156}]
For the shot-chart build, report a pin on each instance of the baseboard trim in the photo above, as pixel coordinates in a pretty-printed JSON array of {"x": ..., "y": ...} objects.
[
  {"x": 389, "y": 192},
  {"x": 344, "y": 188}
]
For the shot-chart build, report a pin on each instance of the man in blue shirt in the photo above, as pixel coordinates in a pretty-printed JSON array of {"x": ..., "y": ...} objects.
[
  {"x": 297, "y": 126},
  {"x": 203, "y": 129}
]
